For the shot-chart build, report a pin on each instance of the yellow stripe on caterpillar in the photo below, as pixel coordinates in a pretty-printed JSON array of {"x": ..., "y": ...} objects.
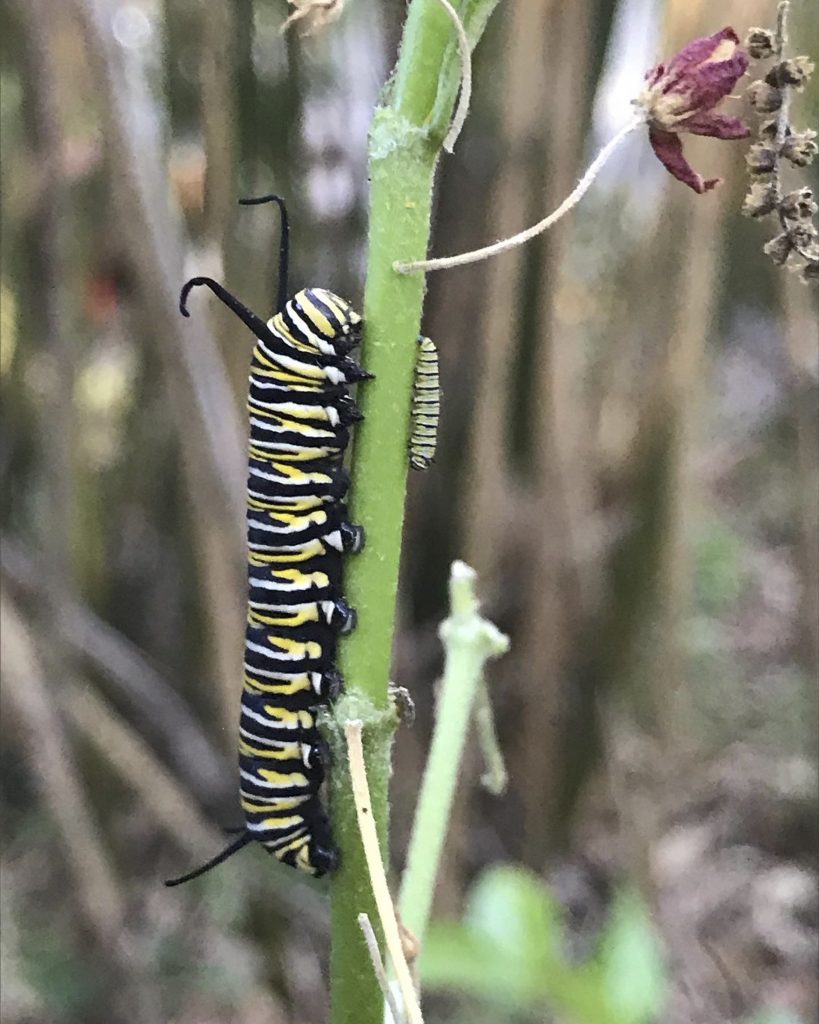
[
  {"x": 282, "y": 780},
  {"x": 289, "y": 719},
  {"x": 290, "y": 752},
  {"x": 282, "y": 803}
]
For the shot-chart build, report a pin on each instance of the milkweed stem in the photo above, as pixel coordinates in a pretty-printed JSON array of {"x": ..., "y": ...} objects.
[
  {"x": 375, "y": 866},
  {"x": 505, "y": 244},
  {"x": 405, "y": 140}
]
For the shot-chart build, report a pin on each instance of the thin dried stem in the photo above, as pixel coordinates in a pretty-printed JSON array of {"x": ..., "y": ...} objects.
[
  {"x": 41, "y": 729},
  {"x": 489, "y": 483},
  {"x": 134, "y": 761},
  {"x": 784, "y": 113},
  {"x": 783, "y": 117},
  {"x": 168, "y": 803},
  {"x": 51, "y": 279},
  {"x": 375, "y": 866},
  {"x": 152, "y": 697},
  {"x": 445, "y": 262},
  {"x": 770, "y": 156},
  {"x": 378, "y": 967},
  {"x": 781, "y": 37},
  {"x": 218, "y": 121},
  {"x": 206, "y": 416},
  {"x": 465, "y": 54}
]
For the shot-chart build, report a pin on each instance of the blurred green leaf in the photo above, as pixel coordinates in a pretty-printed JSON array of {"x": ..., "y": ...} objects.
[
  {"x": 508, "y": 951},
  {"x": 65, "y": 981},
  {"x": 512, "y": 908},
  {"x": 454, "y": 957},
  {"x": 718, "y": 567},
  {"x": 633, "y": 970}
]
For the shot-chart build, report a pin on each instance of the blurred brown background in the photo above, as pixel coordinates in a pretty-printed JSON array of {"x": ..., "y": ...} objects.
[{"x": 629, "y": 456}]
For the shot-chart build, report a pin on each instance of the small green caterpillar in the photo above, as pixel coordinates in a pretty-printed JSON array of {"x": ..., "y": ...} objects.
[{"x": 426, "y": 406}]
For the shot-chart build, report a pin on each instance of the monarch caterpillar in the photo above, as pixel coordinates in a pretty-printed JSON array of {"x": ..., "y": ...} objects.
[
  {"x": 300, "y": 412},
  {"x": 426, "y": 406}
]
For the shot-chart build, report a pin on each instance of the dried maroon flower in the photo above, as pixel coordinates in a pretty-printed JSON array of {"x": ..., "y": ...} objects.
[{"x": 681, "y": 96}]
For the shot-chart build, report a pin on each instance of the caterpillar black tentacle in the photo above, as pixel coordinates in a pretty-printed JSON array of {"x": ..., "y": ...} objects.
[
  {"x": 229, "y": 850},
  {"x": 300, "y": 413},
  {"x": 284, "y": 242}
]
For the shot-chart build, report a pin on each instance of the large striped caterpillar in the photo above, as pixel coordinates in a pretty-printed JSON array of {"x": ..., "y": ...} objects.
[{"x": 300, "y": 412}]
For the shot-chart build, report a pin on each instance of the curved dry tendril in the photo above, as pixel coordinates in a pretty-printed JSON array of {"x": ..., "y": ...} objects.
[
  {"x": 378, "y": 967},
  {"x": 465, "y": 53},
  {"x": 476, "y": 255},
  {"x": 375, "y": 867}
]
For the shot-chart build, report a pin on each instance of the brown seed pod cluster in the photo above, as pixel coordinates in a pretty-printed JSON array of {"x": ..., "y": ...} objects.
[{"x": 780, "y": 148}]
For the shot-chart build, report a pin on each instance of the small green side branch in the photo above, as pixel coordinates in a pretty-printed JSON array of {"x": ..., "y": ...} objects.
[{"x": 470, "y": 641}]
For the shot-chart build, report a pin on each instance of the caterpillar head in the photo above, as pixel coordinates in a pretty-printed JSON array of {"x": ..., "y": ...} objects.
[{"x": 335, "y": 327}]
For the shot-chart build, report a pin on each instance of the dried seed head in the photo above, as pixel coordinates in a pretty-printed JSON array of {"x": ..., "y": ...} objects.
[
  {"x": 810, "y": 272},
  {"x": 767, "y": 129},
  {"x": 759, "y": 43},
  {"x": 793, "y": 72},
  {"x": 760, "y": 200},
  {"x": 764, "y": 98},
  {"x": 761, "y": 159},
  {"x": 800, "y": 148},
  {"x": 803, "y": 236},
  {"x": 778, "y": 249},
  {"x": 317, "y": 14},
  {"x": 798, "y": 205}
]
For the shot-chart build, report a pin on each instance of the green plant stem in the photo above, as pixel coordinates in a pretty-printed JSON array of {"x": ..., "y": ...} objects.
[
  {"x": 403, "y": 155},
  {"x": 469, "y": 641},
  {"x": 401, "y": 167},
  {"x": 355, "y": 993},
  {"x": 426, "y": 33}
]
